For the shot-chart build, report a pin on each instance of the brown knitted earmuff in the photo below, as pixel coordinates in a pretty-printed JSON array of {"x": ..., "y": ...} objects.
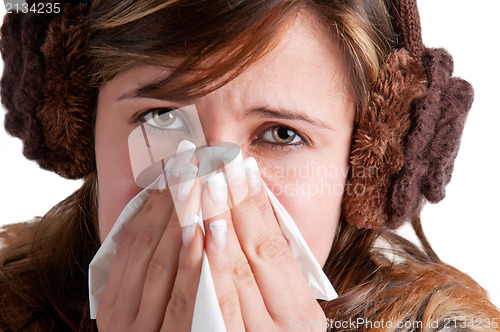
[
  {"x": 45, "y": 88},
  {"x": 406, "y": 141},
  {"x": 412, "y": 136}
]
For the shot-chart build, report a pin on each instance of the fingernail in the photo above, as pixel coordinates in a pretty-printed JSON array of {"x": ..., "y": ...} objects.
[
  {"x": 235, "y": 170},
  {"x": 219, "y": 230},
  {"x": 218, "y": 189},
  {"x": 185, "y": 151},
  {"x": 188, "y": 234},
  {"x": 185, "y": 145},
  {"x": 188, "y": 176},
  {"x": 253, "y": 175},
  {"x": 189, "y": 219}
]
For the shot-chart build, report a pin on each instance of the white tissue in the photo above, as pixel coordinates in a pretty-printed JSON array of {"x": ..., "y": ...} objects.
[{"x": 207, "y": 315}]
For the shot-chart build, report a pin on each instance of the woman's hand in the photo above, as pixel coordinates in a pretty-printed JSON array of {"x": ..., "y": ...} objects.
[
  {"x": 258, "y": 283},
  {"x": 155, "y": 272}
]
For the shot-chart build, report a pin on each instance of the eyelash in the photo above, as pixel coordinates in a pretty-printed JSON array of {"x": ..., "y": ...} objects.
[
  {"x": 304, "y": 140},
  {"x": 139, "y": 116}
]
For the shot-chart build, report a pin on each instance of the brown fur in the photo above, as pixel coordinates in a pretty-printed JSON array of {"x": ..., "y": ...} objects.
[
  {"x": 433, "y": 295},
  {"x": 379, "y": 139},
  {"x": 66, "y": 111}
]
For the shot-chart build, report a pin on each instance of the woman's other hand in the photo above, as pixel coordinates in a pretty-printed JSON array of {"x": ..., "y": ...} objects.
[
  {"x": 155, "y": 272},
  {"x": 258, "y": 283}
]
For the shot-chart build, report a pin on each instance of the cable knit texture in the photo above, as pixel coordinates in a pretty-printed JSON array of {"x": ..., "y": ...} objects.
[
  {"x": 406, "y": 23},
  {"x": 433, "y": 143},
  {"x": 377, "y": 152}
]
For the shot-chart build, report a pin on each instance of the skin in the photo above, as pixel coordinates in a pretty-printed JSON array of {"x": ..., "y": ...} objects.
[{"x": 253, "y": 271}]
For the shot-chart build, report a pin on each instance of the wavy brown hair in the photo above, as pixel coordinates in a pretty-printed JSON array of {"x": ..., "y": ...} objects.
[{"x": 43, "y": 266}]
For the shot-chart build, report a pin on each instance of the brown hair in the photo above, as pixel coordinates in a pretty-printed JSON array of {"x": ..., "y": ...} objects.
[
  {"x": 44, "y": 266},
  {"x": 235, "y": 36}
]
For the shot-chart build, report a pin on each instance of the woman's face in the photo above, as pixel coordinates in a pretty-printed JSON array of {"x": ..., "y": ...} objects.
[{"x": 290, "y": 110}]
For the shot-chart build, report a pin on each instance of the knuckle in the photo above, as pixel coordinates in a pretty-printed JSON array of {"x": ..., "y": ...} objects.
[
  {"x": 229, "y": 305},
  {"x": 178, "y": 304},
  {"x": 125, "y": 241},
  {"x": 188, "y": 264},
  {"x": 143, "y": 239},
  {"x": 221, "y": 267},
  {"x": 252, "y": 203},
  {"x": 271, "y": 247},
  {"x": 262, "y": 204},
  {"x": 150, "y": 203},
  {"x": 259, "y": 203},
  {"x": 243, "y": 273},
  {"x": 158, "y": 268}
]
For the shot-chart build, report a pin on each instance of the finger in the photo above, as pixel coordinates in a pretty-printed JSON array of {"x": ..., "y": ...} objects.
[
  {"x": 220, "y": 266},
  {"x": 267, "y": 251},
  {"x": 147, "y": 236},
  {"x": 183, "y": 205},
  {"x": 236, "y": 289},
  {"x": 185, "y": 152},
  {"x": 235, "y": 173},
  {"x": 132, "y": 242},
  {"x": 180, "y": 308},
  {"x": 163, "y": 267}
]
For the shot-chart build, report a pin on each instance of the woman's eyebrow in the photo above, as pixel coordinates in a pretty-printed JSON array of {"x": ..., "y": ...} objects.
[
  {"x": 130, "y": 95},
  {"x": 286, "y": 114},
  {"x": 143, "y": 90},
  {"x": 139, "y": 93}
]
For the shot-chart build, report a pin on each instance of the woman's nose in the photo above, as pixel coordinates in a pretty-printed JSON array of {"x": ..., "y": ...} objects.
[{"x": 223, "y": 129}]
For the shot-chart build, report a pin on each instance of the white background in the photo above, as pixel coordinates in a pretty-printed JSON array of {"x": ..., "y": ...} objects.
[{"x": 464, "y": 228}]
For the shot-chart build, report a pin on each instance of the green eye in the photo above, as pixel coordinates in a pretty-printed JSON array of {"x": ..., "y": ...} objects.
[{"x": 281, "y": 135}]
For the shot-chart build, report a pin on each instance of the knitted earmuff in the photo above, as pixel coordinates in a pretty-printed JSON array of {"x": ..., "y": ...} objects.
[
  {"x": 406, "y": 141},
  {"x": 412, "y": 134},
  {"x": 45, "y": 88}
]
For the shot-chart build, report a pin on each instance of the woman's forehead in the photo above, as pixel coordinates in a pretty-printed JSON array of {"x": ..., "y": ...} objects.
[{"x": 304, "y": 57}]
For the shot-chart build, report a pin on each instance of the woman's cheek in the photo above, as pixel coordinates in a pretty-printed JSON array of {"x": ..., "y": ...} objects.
[
  {"x": 115, "y": 178},
  {"x": 313, "y": 200}
]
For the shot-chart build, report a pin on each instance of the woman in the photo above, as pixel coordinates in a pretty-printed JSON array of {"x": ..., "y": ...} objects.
[{"x": 297, "y": 85}]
